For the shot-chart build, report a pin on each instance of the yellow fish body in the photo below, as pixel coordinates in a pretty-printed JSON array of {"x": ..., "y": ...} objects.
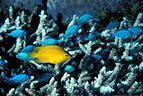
[{"x": 49, "y": 54}]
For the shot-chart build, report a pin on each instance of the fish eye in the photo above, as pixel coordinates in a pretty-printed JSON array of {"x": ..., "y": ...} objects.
[
  {"x": 71, "y": 68},
  {"x": 66, "y": 55}
]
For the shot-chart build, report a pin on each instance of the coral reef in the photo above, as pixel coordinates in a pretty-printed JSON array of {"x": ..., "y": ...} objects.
[{"x": 107, "y": 62}]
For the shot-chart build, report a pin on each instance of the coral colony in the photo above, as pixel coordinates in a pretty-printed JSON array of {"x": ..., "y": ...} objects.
[{"x": 66, "y": 48}]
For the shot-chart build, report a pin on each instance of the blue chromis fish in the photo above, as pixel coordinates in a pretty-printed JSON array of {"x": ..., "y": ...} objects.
[
  {"x": 24, "y": 56},
  {"x": 20, "y": 78},
  {"x": 45, "y": 54},
  {"x": 49, "y": 41},
  {"x": 84, "y": 18},
  {"x": 105, "y": 53},
  {"x": 73, "y": 63},
  {"x": 69, "y": 68},
  {"x": 16, "y": 33},
  {"x": 45, "y": 77},
  {"x": 2, "y": 62},
  {"x": 72, "y": 30},
  {"x": 123, "y": 34},
  {"x": 28, "y": 48},
  {"x": 135, "y": 30},
  {"x": 128, "y": 33},
  {"x": 96, "y": 57},
  {"x": 85, "y": 37},
  {"x": 112, "y": 25}
]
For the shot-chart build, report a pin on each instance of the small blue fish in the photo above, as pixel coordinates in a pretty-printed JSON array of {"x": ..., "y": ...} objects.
[
  {"x": 59, "y": 41},
  {"x": 30, "y": 71},
  {"x": 135, "y": 30},
  {"x": 45, "y": 77},
  {"x": 66, "y": 40},
  {"x": 23, "y": 56},
  {"x": 16, "y": 33},
  {"x": 105, "y": 53},
  {"x": 73, "y": 63},
  {"x": 123, "y": 34},
  {"x": 49, "y": 41},
  {"x": 112, "y": 25},
  {"x": 72, "y": 30},
  {"x": 78, "y": 38},
  {"x": 28, "y": 48},
  {"x": 71, "y": 43},
  {"x": 84, "y": 18},
  {"x": 2, "y": 62},
  {"x": 91, "y": 36},
  {"x": 69, "y": 68},
  {"x": 85, "y": 37},
  {"x": 20, "y": 78},
  {"x": 96, "y": 57}
]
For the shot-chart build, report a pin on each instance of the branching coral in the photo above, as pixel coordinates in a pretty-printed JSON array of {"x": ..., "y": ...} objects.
[{"x": 105, "y": 64}]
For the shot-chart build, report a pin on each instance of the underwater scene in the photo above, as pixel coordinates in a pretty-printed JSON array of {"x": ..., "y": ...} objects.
[{"x": 71, "y": 48}]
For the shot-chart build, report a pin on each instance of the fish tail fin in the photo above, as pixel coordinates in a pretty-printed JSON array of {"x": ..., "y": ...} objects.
[
  {"x": 112, "y": 36},
  {"x": 4, "y": 78},
  {"x": 6, "y": 34}
]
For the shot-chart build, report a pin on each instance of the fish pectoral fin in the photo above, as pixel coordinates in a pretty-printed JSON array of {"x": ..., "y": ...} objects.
[
  {"x": 36, "y": 49},
  {"x": 40, "y": 60},
  {"x": 37, "y": 60},
  {"x": 32, "y": 55},
  {"x": 33, "y": 59}
]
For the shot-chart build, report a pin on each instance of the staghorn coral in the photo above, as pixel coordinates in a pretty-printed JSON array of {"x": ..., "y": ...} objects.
[{"x": 118, "y": 71}]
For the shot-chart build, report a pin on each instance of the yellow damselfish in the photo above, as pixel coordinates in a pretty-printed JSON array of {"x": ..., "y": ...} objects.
[{"x": 49, "y": 54}]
